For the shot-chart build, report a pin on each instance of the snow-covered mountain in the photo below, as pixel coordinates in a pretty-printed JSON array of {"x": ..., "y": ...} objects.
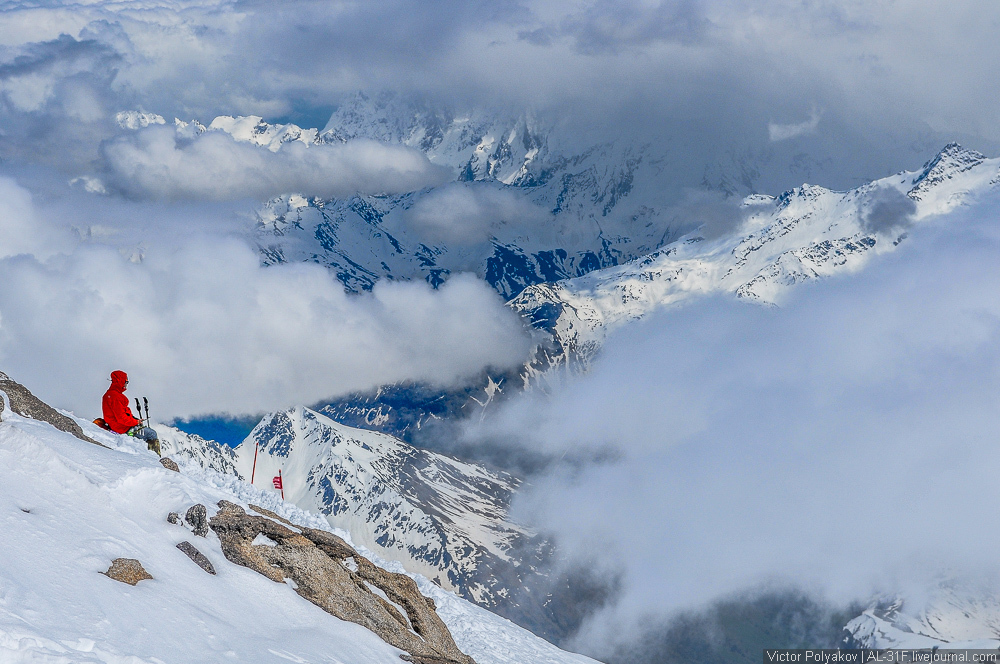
[
  {"x": 528, "y": 203},
  {"x": 70, "y": 507},
  {"x": 804, "y": 234},
  {"x": 443, "y": 518},
  {"x": 952, "y": 616}
]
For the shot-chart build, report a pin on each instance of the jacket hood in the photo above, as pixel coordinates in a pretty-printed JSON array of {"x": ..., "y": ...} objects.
[{"x": 118, "y": 380}]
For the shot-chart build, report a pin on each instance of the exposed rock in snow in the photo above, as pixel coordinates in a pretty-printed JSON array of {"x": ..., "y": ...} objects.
[
  {"x": 196, "y": 556},
  {"x": 313, "y": 560},
  {"x": 170, "y": 464},
  {"x": 197, "y": 518},
  {"x": 127, "y": 570},
  {"x": 24, "y": 403}
]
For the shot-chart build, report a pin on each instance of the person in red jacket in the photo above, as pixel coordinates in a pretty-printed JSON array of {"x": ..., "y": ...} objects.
[{"x": 119, "y": 417}]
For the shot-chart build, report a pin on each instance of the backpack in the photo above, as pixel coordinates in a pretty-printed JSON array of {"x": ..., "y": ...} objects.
[{"x": 101, "y": 423}]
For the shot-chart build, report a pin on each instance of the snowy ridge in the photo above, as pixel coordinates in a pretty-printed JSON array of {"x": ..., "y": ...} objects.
[
  {"x": 444, "y": 518},
  {"x": 70, "y": 507},
  {"x": 954, "y": 617},
  {"x": 187, "y": 447},
  {"x": 805, "y": 234}
]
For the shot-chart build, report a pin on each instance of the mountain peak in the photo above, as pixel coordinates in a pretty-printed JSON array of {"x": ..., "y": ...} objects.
[{"x": 951, "y": 160}]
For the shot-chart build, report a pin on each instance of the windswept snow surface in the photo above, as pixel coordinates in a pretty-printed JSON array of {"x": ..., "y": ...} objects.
[{"x": 68, "y": 508}]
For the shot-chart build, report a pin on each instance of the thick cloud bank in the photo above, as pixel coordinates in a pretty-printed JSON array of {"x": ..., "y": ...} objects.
[
  {"x": 156, "y": 162},
  {"x": 768, "y": 93},
  {"x": 202, "y": 327},
  {"x": 843, "y": 443}
]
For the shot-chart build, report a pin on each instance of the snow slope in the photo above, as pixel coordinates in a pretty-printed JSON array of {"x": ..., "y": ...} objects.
[{"x": 68, "y": 508}]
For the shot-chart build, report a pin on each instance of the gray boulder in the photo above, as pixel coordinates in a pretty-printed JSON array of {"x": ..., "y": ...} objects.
[
  {"x": 197, "y": 556},
  {"x": 197, "y": 518}
]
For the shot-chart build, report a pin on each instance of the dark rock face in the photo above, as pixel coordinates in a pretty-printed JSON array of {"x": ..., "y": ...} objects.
[
  {"x": 127, "y": 570},
  {"x": 197, "y": 518},
  {"x": 26, "y": 404},
  {"x": 197, "y": 556},
  {"x": 174, "y": 518},
  {"x": 332, "y": 575},
  {"x": 169, "y": 464}
]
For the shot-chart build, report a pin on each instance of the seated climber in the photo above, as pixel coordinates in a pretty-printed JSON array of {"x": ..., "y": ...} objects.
[{"x": 119, "y": 417}]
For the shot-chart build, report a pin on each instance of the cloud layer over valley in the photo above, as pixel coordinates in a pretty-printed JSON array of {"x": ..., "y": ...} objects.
[
  {"x": 840, "y": 444},
  {"x": 203, "y": 327}
]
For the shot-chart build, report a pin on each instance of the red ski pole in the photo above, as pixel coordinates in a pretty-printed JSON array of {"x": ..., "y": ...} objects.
[{"x": 253, "y": 471}]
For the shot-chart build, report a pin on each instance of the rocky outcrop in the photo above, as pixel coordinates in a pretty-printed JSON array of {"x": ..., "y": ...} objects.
[
  {"x": 26, "y": 404},
  {"x": 127, "y": 570},
  {"x": 197, "y": 518},
  {"x": 170, "y": 464},
  {"x": 197, "y": 556},
  {"x": 332, "y": 575}
]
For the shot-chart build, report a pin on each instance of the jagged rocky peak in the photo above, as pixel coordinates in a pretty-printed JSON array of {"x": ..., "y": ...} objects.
[
  {"x": 254, "y": 129},
  {"x": 951, "y": 161},
  {"x": 479, "y": 144}
]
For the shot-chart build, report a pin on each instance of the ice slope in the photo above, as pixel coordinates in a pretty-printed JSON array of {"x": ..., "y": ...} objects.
[
  {"x": 68, "y": 508},
  {"x": 804, "y": 234},
  {"x": 438, "y": 516}
]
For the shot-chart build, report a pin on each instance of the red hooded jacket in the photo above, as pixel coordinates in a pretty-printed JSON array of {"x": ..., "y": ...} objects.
[{"x": 117, "y": 413}]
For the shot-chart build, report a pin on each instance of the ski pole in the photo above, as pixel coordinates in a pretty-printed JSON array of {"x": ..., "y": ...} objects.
[
  {"x": 138, "y": 408},
  {"x": 253, "y": 471},
  {"x": 146, "y": 403}
]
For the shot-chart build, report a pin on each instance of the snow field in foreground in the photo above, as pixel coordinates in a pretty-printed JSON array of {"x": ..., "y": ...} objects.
[{"x": 67, "y": 508}]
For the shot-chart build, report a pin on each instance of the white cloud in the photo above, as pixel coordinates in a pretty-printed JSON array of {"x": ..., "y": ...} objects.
[
  {"x": 201, "y": 327},
  {"x": 782, "y": 132},
  {"x": 465, "y": 214},
  {"x": 156, "y": 162},
  {"x": 839, "y": 443}
]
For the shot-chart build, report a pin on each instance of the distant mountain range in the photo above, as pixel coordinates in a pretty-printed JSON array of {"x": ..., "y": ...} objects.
[{"x": 580, "y": 240}]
